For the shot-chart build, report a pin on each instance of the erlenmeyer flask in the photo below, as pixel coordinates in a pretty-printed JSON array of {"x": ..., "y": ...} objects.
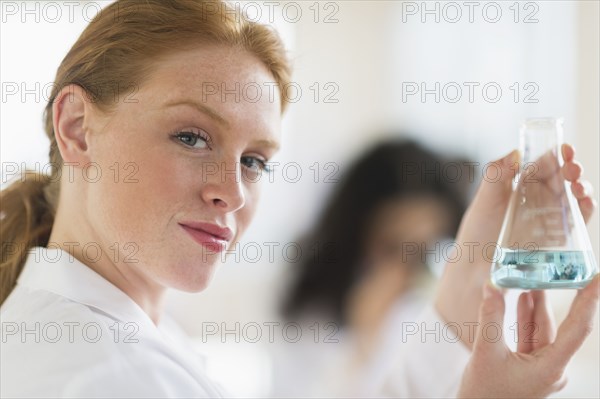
[{"x": 543, "y": 242}]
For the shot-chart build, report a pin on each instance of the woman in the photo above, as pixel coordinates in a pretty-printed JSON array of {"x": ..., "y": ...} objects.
[
  {"x": 95, "y": 250},
  {"x": 371, "y": 274}
]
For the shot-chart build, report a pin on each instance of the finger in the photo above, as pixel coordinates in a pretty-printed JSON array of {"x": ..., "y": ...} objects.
[
  {"x": 545, "y": 170},
  {"x": 582, "y": 189},
  {"x": 544, "y": 331},
  {"x": 493, "y": 191},
  {"x": 572, "y": 170},
  {"x": 568, "y": 152},
  {"x": 576, "y": 327},
  {"x": 543, "y": 167},
  {"x": 524, "y": 318},
  {"x": 489, "y": 339},
  {"x": 587, "y": 206}
]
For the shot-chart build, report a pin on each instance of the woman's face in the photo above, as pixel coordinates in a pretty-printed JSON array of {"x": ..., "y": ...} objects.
[
  {"x": 187, "y": 148},
  {"x": 402, "y": 229}
]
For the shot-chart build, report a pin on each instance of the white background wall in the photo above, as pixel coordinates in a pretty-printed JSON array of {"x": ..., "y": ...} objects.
[{"x": 372, "y": 51}]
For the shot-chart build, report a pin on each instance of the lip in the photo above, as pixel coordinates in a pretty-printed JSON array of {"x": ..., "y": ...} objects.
[{"x": 209, "y": 235}]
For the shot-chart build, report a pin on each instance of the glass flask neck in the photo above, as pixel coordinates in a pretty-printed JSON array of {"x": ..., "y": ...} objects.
[{"x": 539, "y": 136}]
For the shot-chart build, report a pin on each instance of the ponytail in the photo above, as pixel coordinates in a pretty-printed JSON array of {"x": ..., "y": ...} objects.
[{"x": 26, "y": 218}]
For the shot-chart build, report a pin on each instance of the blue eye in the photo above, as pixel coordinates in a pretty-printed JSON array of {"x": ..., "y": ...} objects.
[
  {"x": 193, "y": 139},
  {"x": 256, "y": 164}
]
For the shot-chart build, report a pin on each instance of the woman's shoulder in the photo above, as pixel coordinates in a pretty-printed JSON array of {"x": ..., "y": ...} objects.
[
  {"x": 71, "y": 349},
  {"x": 38, "y": 325},
  {"x": 40, "y": 315}
]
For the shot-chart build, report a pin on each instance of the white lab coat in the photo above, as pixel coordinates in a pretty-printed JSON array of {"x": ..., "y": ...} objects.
[
  {"x": 415, "y": 356},
  {"x": 68, "y": 332}
]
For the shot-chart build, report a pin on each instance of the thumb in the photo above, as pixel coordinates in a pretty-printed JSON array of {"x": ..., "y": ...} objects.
[
  {"x": 489, "y": 337},
  {"x": 577, "y": 325},
  {"x": 498, "y": 176}
]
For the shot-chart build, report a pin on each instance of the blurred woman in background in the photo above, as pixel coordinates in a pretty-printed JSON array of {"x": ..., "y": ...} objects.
[{"x": 370, "y": 263}]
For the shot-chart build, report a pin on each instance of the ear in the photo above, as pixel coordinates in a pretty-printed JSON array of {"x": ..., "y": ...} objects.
[{"x": 69, "y": 112}]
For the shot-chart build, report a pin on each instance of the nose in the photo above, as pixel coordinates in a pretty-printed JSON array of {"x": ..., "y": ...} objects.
[{"x": 223, "y": 186}]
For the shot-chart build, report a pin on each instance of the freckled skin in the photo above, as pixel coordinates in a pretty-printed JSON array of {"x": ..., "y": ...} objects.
[{"x": 163, "y": 181}]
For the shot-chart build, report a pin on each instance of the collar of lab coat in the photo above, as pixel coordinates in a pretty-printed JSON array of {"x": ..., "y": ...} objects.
[{"x": 57, "y": 271}]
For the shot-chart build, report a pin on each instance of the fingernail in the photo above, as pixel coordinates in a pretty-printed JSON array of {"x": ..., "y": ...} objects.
[{"x": 570, "y": 145}]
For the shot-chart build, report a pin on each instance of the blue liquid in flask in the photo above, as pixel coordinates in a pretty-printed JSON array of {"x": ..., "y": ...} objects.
[
  {"x": 542, "y": 269},
  {"x": 543, "y": 242}
]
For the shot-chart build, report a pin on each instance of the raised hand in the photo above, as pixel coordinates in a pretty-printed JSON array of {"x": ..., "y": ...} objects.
[
  {"x": 537, "y": 368},
  {"x": 459, "y": 293}
]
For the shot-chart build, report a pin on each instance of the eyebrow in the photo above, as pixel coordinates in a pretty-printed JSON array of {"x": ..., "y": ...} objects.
[
  {"x": 202, "y": 108},
  {"x": 268, "y": 143},
  {"x": 218, "y": 118}
]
